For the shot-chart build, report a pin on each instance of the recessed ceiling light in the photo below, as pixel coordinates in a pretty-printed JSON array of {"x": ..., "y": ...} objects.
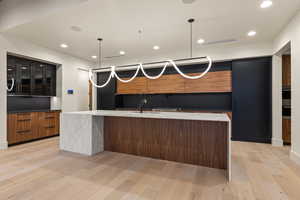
[
  {"x": 200, "y": 41},
  {"x": 94, "y": 57},
  {"x": 64, "y": 46},
  {"x": 122, "y": 52},
  {"x": 76, "y": 28},
  {"x": 266, "y": 4},
  {"x": 251, "y": 33},
  {"x": 156, "y": 47},
  {"x": 188, "y": 1}
]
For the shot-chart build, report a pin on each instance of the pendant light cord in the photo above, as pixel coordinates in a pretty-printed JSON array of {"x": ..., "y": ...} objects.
[
  {"x": 191, "y": 40},
  {"x": 191, "y": 21},
  {"x": 100, "y": 52}
]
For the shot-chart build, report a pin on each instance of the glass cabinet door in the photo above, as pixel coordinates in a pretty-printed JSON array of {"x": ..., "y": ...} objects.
[
  {"x": 24, "y": 77},
  {"x": 50, "y": 80},
  {"x": 38, "y": 86},
  {"x": 11, "y": 75}
]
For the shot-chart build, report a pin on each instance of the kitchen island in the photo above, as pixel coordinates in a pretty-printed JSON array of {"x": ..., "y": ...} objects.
[{"x": 194, "y": 138}]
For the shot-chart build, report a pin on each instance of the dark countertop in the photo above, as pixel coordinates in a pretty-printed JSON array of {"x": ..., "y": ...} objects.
[{"x": 26, "y": 111}]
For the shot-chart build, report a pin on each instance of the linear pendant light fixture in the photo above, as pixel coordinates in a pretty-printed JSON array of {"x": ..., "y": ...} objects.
[{"x": 140, "y": 66}]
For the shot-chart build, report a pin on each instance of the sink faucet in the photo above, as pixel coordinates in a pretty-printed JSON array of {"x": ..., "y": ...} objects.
[{"x": 142, "y": 104}]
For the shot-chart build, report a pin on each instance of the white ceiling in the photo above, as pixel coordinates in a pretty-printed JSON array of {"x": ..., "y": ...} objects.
[{"x": 163, "y": 23}]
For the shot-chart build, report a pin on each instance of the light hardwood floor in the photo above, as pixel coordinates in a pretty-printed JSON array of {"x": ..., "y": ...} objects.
[{"x": 40, "y": 171}]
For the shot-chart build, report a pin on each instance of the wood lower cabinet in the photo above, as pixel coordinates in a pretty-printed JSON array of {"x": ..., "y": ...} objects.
[
  {"x": 49, "y": 124},
  {"x": 286, "y": 130},
  {"x": 22, "y": 127}
]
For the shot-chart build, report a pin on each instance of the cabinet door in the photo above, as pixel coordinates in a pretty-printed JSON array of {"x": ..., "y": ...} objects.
[
  {"x": 21, "y": 127},
  {"x": 252, "y": 100},
  {"x": 23, "y": 77},
  {"x": 137, "y": 86},
  {"x": 48, "y": 124},
  {"x": 286, "y": 130},
  {"x": 50, "y": 80},
  {"x": 107, "y": 94},
  {"x": 11, "y": 75},
  {"x": 38, "y": 85}
]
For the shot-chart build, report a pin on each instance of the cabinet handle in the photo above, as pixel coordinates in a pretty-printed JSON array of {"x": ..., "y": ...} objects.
[
  {"x": 24, "y": 114},
  {"x": 23, "y": 120},
  {"x": 25, "y": 131},
  {"x": 49, "y": 126},
  {"x": 49, "y": 117}
]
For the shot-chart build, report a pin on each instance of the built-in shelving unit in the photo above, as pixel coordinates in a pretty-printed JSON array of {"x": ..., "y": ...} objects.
[{"x": 32, "y": 78}]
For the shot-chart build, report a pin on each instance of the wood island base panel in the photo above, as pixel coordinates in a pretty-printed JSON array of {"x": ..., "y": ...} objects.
[
  {"x": 193, "y": 138},
  {"x": 194, "y": 142}
]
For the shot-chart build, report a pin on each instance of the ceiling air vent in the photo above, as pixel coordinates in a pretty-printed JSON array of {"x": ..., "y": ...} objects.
[{"x": 220, "y": 42}]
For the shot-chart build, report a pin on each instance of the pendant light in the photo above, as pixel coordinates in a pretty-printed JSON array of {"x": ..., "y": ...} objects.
[{"x": 140, "y": 66}]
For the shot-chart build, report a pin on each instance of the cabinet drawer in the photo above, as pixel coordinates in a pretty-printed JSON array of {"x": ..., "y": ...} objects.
[
  {"x": 50, "y": 130},
  {"x": 21, "y": 126},
  {"x": 50, "y": 115},
  {"x": 49, "y": 124},
  {"x": 24, "y": 116},
  {"x": 24, "y": 135}
]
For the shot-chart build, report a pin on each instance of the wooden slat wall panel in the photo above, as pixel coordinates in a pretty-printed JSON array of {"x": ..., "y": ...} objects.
[
  {"x": 194, "y": 142},
  {"x": 219, "y": 81}
]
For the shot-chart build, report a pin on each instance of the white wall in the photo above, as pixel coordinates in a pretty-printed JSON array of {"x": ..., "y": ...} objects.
[
  {"x": 277, "y": 101},
  {"x": 291, "y": 33},
  {"x": 83, "y": 90},
  {"x": 69, "y": 75},
  {"x": 3, "y": 141}
]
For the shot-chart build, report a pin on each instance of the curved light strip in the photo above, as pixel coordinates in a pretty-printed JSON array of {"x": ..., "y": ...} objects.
[
  {"x": 126, "y": 81},
  {"x": 193, "y": 77},
  {"x": 140, "y": 66},
  {"x": 99, "y": 86},
  {"x": 12, "y": 85},
  {"x": 155, "y": 77}
]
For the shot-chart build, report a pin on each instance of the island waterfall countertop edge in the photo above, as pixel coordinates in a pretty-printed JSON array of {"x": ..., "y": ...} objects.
[{"x": 156, "y": 115}]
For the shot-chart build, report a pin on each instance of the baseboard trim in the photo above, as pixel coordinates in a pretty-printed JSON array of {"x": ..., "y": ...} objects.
[
  {"x": 3, "y": 145},
  {"x": 256, "y": 140},
  {"x": 295, "y": 157},
  {"x": 277, "y": 142}
]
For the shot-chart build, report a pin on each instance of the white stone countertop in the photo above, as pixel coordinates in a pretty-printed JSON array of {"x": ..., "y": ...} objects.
[{"x": 156, "y": 115}]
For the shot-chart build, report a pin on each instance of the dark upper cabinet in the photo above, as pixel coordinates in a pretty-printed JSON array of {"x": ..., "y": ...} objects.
[
  {"x": 23, "y": 81},
  {"x": 31, "y": 77},
  {"x": 106, "y": 94},
  {"x": 11, "y": 76},
  {"x": 50, "y": 80},
  {"x": 38, "y": 85}
]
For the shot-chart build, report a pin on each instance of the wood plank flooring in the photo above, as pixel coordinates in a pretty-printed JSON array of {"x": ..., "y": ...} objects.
[{"x": 39, "y": 171}]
